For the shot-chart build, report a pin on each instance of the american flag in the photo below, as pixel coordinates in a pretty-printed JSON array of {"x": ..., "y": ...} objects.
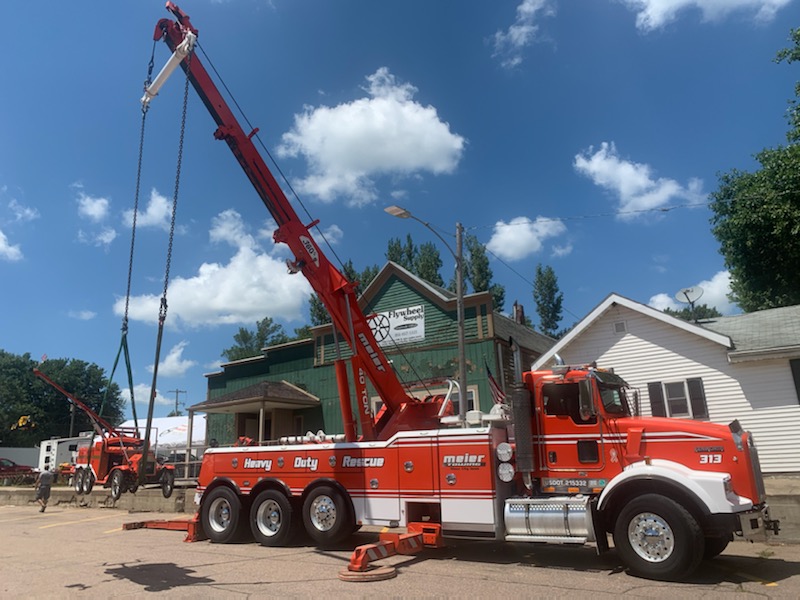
[{"x": 498, "y": 395}]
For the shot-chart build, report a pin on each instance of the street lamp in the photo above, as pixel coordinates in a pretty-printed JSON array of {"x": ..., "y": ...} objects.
[{"x": 402, "y": 213}]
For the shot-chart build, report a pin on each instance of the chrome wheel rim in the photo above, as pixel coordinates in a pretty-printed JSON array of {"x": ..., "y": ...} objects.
[
  {"x": 269, "y": 518},
  {"x": 323, "y": 513},
  {"x": 651, "y": 537},
  {"x": 219, "y": 515}
]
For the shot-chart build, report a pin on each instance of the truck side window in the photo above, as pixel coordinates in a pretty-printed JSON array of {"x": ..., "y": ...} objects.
[{"x": 561, "y": 399}]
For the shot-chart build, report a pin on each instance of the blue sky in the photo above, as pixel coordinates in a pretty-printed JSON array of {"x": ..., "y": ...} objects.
[{"x": 585, "y": 135}]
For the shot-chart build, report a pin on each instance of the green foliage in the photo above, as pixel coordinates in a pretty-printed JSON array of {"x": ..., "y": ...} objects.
[
  {"x": 22, "y": 393},
  {"x": 757, "y": 223},
  {"x": 478, "y": 272},
  {"x": 427, "y": 264},
  {"x": 701, "y": 312},
  {"x": 250, "y": 343},
  {"x": 791, "y": 55},
  {"x": 404, "y": 255},
  {"x": 548, "y": 299}
]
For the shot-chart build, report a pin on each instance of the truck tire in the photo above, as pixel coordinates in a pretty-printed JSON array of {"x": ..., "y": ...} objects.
[
  {"x": 327, "y": 516},
  {"x": 167, "y": 482},
  {"x": 117, "y": 484},
  {"x": 87, "y": 481},
  {"x": 271, "y": 518},
  {"x": 77, "y": 481},
  {"x": 221, "y": 515},
  {"x": 658, "y": 538},
  {"x": 715, "y": 546}
]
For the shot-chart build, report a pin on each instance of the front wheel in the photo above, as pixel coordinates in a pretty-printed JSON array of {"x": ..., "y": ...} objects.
[
  {"x": 117, "y": 484},
  {"x": 271, "y": 518},
  {"x": 221, "y": 515},
  {"x": 167, "y": 482},
  {"x": 326, "y": 516},
  {"x": 715, "y": 545},
  {"x": 658, "y": 538}
]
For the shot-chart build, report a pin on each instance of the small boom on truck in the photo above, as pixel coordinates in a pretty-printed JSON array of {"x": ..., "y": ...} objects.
[
  {"x": 113, "y": 459},
  {"x": 569, "y": 463}
]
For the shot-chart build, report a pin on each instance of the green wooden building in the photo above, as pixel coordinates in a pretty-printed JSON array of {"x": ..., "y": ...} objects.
[{"x": 291, "y": 388}]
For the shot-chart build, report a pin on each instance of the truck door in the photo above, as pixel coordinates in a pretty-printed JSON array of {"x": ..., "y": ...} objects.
[{"x": 570, "y": 442}]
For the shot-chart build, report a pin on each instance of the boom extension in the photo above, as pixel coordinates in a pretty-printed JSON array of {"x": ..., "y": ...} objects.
[{"x": 337, "y": 294}]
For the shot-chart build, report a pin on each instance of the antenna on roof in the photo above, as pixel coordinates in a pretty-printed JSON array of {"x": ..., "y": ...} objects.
[{"x": 689, "y": 295}]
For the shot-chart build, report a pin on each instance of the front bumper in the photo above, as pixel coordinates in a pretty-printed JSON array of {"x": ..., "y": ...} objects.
[{"x": 756, "y": 526}]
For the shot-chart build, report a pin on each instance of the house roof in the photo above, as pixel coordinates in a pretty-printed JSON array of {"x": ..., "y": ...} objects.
[
  {"x": 505, "y": 328},
  {"x": 771, "y": 333},
  {"x": 267, "y": 394},
  {"x": 613, "y": 300}
]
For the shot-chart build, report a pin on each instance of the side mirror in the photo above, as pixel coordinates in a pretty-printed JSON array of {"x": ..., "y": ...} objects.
[{"x": 585, "y": 401}]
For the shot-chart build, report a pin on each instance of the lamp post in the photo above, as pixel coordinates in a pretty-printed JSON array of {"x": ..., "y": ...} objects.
[{"x": 402, "y": 213}]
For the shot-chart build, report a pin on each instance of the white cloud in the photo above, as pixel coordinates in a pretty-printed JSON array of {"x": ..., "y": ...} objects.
[
  {"x": 508, "y": 44},
  {"x": 522, "y": 237},
  {"x": 91, "y": 208},
  {"x": 82, "y": 315},
  {"x": 157, "y": 213},
  {"x": 348, "y": 146},
  {"x": 654, "y": 14},
  {"x": 633, "y": 184},
  {"x": 101, "y": 239},
  {"x": 8, "y": 251},
  {"x": 22, "y": 213},
  {"x": 252, "y": 285},
  {"x": 333, "y": 234},
  {"x": 141, "y": 391},
  {"x": 174, "y": 365},
  {"x": 715, "y": 295}
]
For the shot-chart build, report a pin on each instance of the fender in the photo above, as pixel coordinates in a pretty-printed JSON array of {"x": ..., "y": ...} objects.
[{"x": 711, "y": 489}]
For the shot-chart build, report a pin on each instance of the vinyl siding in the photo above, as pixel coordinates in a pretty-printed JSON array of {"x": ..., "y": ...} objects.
[{"x": 760, "y": 394}]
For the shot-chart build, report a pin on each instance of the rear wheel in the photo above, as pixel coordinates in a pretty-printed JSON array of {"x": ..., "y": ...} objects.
[
  {"x": 117, "y": 484},
  {"x": 167, "y": 482},
  {"x": 77, "y": 481},
  {"x": 271, "y": 518},
  {"x": 658, "y": 538},
  {"x": 87, "y": 482},
  {"x": 221, "y": 515},
  {"x": 327, "y": 516}
]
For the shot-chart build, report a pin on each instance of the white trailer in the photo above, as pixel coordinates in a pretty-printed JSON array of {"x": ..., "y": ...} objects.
[{"x": 57, "y": 451}]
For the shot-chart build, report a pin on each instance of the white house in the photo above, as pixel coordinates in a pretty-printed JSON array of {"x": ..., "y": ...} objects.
[{"x": 744, "y": 367}]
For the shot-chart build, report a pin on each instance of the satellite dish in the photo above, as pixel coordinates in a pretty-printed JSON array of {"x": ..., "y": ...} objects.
[{"x": 689, "y": 295}]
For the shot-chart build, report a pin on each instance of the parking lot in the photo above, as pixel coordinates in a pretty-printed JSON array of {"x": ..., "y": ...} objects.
[{"x": 83, "y": 552}]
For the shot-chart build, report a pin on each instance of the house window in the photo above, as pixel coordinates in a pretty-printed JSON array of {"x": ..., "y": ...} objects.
[
  {"x": 683, "y": 399},
  {"x": 794, "y": 365}
]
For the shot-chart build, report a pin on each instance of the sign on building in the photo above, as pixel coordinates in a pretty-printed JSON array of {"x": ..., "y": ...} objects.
[{"x": 399, "y": 326}]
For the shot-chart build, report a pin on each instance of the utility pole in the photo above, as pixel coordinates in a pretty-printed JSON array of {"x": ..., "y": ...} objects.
[{"x": 176, "y": 392}]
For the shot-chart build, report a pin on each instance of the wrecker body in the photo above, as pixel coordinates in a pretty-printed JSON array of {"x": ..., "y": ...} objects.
[
  {"x": 115, "y": 457},
  {"x": 565, "y": 462}
]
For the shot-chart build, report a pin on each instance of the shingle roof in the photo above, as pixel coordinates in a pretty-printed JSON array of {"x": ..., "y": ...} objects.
[{"x": 762, "y": 330}]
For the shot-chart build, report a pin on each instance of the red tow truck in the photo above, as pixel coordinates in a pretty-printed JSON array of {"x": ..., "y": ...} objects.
[
  {"x": 115, "y": 458},
  {"x": 568, "y": 462}
]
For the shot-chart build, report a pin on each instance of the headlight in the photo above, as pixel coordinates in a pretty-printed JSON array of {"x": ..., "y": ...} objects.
[
  {"x": 504, "y": 452},
  {"x": 505, "y": 472}
]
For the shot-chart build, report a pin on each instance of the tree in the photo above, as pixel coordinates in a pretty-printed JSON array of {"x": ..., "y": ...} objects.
[
  {"x": 757, "y": 219},
  {"x": 50, "y": 415},
  {"x": 427, "y": 264},
  {"x": 250, "y": 343},
  {"x": 479, "y": 274},
  {"x": 548, "y": 299},
  {"x": 404, "y": 255},
  {"x": 700, "y": 313}
]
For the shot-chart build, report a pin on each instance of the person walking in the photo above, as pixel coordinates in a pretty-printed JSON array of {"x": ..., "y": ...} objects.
[{"x": 43, "y": 484}]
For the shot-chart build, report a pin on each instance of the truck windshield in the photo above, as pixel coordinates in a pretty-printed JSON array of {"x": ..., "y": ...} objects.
[{"x": 614, "y": 399}]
